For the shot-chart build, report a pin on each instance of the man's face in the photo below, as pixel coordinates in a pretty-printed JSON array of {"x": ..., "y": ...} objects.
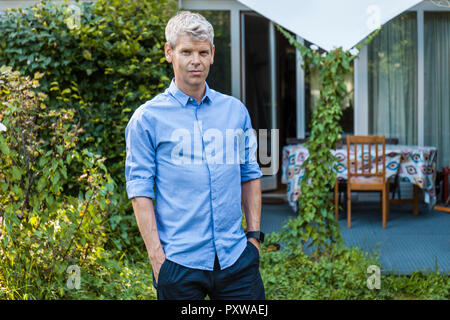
[{"x": 191, "y": 61}]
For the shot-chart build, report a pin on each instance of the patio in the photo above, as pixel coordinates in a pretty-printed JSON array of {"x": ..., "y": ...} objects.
[{"x": 408, "y": 243}]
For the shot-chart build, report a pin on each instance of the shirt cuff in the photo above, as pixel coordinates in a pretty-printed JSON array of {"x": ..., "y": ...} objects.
[
  {"x": 250, "y": 171},
  {"x": 140, "y": 188}
]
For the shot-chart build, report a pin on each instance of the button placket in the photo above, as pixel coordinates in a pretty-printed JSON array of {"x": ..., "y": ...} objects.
[{"x": 210, "y": 172}]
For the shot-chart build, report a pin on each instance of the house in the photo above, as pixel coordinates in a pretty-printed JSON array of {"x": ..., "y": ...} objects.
[{"x": 399, "y": 86}]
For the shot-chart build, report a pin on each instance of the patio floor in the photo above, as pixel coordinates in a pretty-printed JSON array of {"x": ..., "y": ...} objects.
[{"x": 408, "y": 243}]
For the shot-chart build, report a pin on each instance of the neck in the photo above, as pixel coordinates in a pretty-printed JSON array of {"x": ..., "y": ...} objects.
[{"x": 196, "y": 92}]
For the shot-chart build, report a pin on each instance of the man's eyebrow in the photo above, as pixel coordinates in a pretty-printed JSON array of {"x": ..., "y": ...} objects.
[{"x": 191, "y": 49}]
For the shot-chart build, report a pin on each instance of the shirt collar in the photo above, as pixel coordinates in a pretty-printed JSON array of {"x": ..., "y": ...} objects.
[{"x": 183, "y": 98}]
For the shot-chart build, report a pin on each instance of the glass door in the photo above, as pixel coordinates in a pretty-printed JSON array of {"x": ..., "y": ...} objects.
[{"x": 258, "y": 87}]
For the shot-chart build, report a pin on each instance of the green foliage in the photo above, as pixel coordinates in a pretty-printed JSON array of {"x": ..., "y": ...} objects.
[
  {"x": 104, "y": 60},
  {"x": 341, "y": 274},
  {"x": 316, "y": 225},
  {"x": 116, "y": 279},
  {"x": 419, "y": 285},
  {"x": 123, "y": 46},
  {"x": 43, "y": 230}
]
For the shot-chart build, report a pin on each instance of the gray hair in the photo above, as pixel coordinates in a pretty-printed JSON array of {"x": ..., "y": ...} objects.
[{"x": 188, "y": 23}]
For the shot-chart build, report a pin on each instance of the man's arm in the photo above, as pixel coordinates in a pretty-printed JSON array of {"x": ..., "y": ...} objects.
[
  {"x": 251, "y": 201},
  {"x": 145, "y": 217}
]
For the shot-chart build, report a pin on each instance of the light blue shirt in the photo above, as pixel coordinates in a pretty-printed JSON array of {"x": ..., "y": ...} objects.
[{"x": 185, "y": 156}]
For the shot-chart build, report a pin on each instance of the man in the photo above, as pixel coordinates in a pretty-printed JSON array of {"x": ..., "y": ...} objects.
[{"x": 178, "y": 142}]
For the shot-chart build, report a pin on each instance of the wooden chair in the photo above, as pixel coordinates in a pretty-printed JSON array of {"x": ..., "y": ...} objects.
[
  {"x": 360, "y": 173},
  {"x": 394, "y": 186}
]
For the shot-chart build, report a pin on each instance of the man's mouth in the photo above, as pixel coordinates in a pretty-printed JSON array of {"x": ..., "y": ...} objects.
[{"x": 196, "y": 72}]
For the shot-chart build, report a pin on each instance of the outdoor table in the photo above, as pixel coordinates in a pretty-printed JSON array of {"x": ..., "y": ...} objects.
[{"x": 414, "y": 164}]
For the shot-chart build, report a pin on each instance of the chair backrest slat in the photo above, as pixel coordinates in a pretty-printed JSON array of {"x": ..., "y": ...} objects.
[
  {"x": 376, "y": 158},
  {"x": 384, "y": 158},
  {"x": 362, "y": 159},
  {"x": 360, "y": 142}
]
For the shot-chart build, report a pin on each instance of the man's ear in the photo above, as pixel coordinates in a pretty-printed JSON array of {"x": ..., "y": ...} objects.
[
  {"x": 213, "y": 49},
  {"x": 168, "y": 51}
]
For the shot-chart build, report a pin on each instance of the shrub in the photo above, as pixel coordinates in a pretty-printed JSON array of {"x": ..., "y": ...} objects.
[{"x": 43, "y": 230}]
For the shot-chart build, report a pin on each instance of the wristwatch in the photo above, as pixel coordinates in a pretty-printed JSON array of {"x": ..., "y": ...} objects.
[{"x": 258, "y": 235}]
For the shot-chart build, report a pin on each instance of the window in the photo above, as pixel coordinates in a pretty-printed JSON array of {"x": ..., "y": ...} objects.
[{"x": 392, "y": 80}]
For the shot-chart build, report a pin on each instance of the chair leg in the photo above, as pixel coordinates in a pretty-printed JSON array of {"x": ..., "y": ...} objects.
[
  {"x": 383, "y": 207},
  {"x": 349, "y": 208},
  {"x": 388, "y": 199},
  {"x": 416, "y": 200},
  {"x": 397, "y": 186},
  {"x": 336, "y": 200}
]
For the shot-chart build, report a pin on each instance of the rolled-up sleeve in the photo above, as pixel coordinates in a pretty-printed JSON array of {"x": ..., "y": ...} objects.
[
  {"x": 249, "y": 168},
  {"x": 140, "y": 157}
]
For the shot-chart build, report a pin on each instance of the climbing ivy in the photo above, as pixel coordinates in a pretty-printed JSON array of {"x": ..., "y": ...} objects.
[{"x": 316, "y": 225}]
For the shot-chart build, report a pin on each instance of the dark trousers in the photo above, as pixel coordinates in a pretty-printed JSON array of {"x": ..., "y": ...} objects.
[{"x": 242, "y": 280}]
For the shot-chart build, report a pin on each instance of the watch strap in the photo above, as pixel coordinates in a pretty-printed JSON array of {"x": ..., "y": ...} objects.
[{"x": 258, "y": 235}]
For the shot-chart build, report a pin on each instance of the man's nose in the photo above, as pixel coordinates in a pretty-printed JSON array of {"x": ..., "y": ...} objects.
[{"x": 196, "y": 58}]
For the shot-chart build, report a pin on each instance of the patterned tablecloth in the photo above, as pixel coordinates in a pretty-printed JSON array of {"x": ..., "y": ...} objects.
[{"x": 414, "y": 164}]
